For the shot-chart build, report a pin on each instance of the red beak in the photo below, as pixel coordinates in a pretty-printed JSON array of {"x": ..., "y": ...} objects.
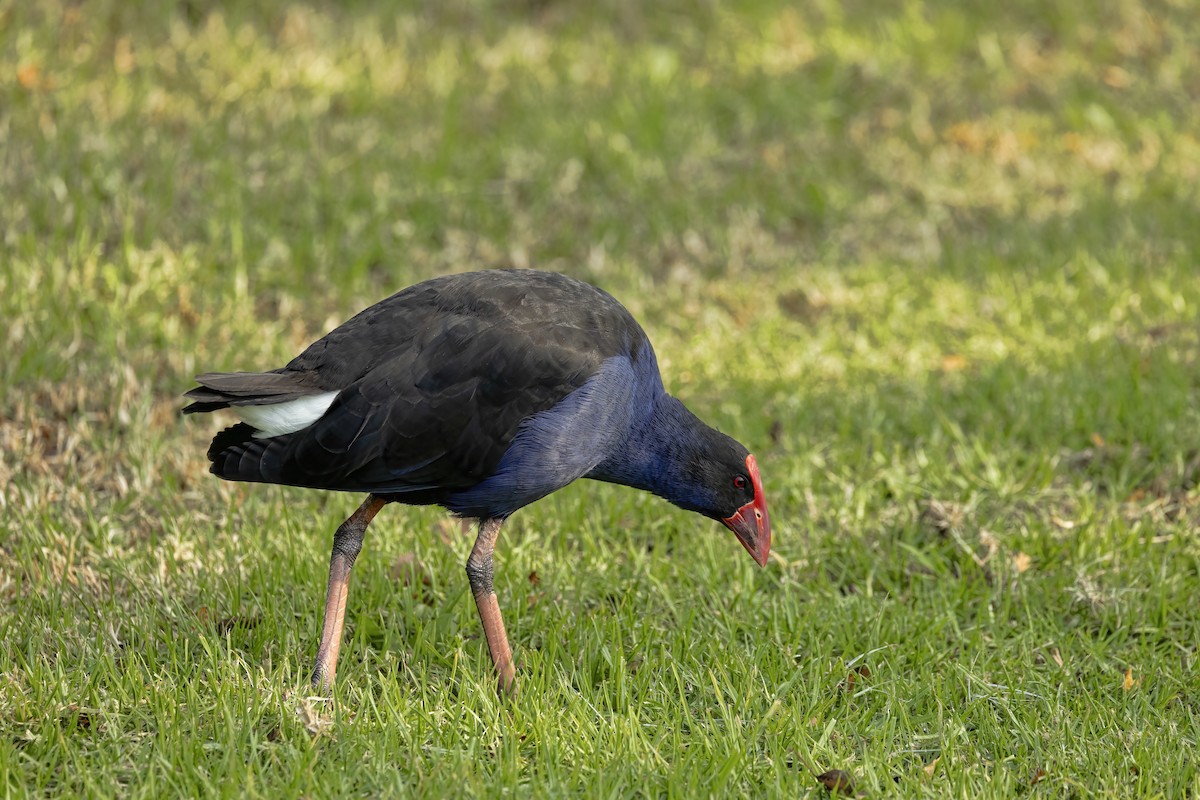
[{"x": 751, "y": 524}]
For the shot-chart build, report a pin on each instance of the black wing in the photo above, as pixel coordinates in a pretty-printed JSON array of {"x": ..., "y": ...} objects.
[{"x": 434, "y": 383}]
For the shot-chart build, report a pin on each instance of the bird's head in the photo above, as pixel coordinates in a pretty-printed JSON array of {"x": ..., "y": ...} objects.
[
  {"x": 749, "y": 520},
  {"x": 699, "y": 469},
  {"x": 731, "y": 492}
]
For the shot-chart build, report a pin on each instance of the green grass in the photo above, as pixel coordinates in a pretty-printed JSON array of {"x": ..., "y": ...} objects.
[{"x": 934, "y": 263}]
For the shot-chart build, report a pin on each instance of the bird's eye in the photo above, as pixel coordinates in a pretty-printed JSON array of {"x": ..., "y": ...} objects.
[{"x": 739, "y": 481}]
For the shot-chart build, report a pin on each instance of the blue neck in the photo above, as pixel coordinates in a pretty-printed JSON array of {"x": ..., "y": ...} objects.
[{"x": 660, "y": 454}]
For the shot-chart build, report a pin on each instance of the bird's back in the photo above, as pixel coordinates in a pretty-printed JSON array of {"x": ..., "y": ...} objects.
[{"x": 546, "y": 312}]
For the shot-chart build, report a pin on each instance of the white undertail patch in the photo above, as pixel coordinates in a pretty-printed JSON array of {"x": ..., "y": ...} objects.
[{"x": 277, "y": 419}]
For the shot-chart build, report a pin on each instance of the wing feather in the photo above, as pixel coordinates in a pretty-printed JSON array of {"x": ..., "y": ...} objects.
[{"x": 434, "y": 383}]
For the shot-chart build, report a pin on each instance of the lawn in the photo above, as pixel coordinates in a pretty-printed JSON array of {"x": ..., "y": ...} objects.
[{"x": 935, "y": 263}]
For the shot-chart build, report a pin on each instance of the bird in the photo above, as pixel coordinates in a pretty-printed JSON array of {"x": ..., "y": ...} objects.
[{"x": 481, "y": 392}]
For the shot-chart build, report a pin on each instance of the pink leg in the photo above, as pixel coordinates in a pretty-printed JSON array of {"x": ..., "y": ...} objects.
[
  {"x": 346, "y": 544},
  {"x": 479, "y": 572}
]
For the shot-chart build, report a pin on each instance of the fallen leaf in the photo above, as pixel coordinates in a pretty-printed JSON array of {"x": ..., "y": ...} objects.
[
  {"x": 1098, "y": 440},
  {"x": 835, "y": 780},
  {"x": 773, "y": 155},
  {"x": 967, "y": 135},
  {"x": 1128, "y": 682},
  {"x": 1117, "y": 78},
  {"x": 862, "y": 671},
  {"x": 123, "y": 56},
  {"x": 29, "y": 76},
  {"x": 1038, "y": 775},
  {"x": 931, "y": 766},
  {"x": 534, "y": 579},
  {"x": 953, "y": 363},
  {"x": 1022, "y": 562}
]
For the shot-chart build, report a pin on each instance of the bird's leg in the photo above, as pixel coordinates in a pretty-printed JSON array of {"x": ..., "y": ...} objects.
[
  {"x": 479, "y": 572},
  {"x": 346, "y": 544}
]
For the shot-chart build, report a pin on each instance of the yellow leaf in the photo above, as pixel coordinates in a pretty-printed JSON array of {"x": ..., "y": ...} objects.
[
  {"x": 1021, "y": 562},
  {"x": 1098, "y": 440},
  {"x": 953, "y": 363},
  {"x": 967, "y": 135},
  {"x": 1117, "y": 78},
  {"x": 931, "y": 766},
  {"x": 123, "y": 56},
  {"x": 1128, "y": 683},
  {"x": 29, "y": 76},
  {"x": 774, "y": 155}
]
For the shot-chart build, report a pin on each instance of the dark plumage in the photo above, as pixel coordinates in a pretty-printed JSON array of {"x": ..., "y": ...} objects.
[{"x": 480, "y": 392}]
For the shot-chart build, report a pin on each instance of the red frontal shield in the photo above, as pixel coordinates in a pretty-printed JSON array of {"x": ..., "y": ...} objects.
[{"x": 751, "y": 524}]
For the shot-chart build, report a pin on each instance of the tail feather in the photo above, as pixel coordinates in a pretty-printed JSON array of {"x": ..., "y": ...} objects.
[
  {"x": 219, "y": 390},
  {"x": 237, "y": 456}
]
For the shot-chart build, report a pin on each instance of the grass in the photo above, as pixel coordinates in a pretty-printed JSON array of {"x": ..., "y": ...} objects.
[{"x": 934, "y": 262}]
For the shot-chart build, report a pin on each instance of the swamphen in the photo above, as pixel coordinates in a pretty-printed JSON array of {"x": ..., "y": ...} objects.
[{"x": 480, "y": 392}]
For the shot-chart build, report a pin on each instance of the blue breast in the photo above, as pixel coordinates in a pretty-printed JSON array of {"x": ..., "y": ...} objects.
[{"x": 566, "y": 442}]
